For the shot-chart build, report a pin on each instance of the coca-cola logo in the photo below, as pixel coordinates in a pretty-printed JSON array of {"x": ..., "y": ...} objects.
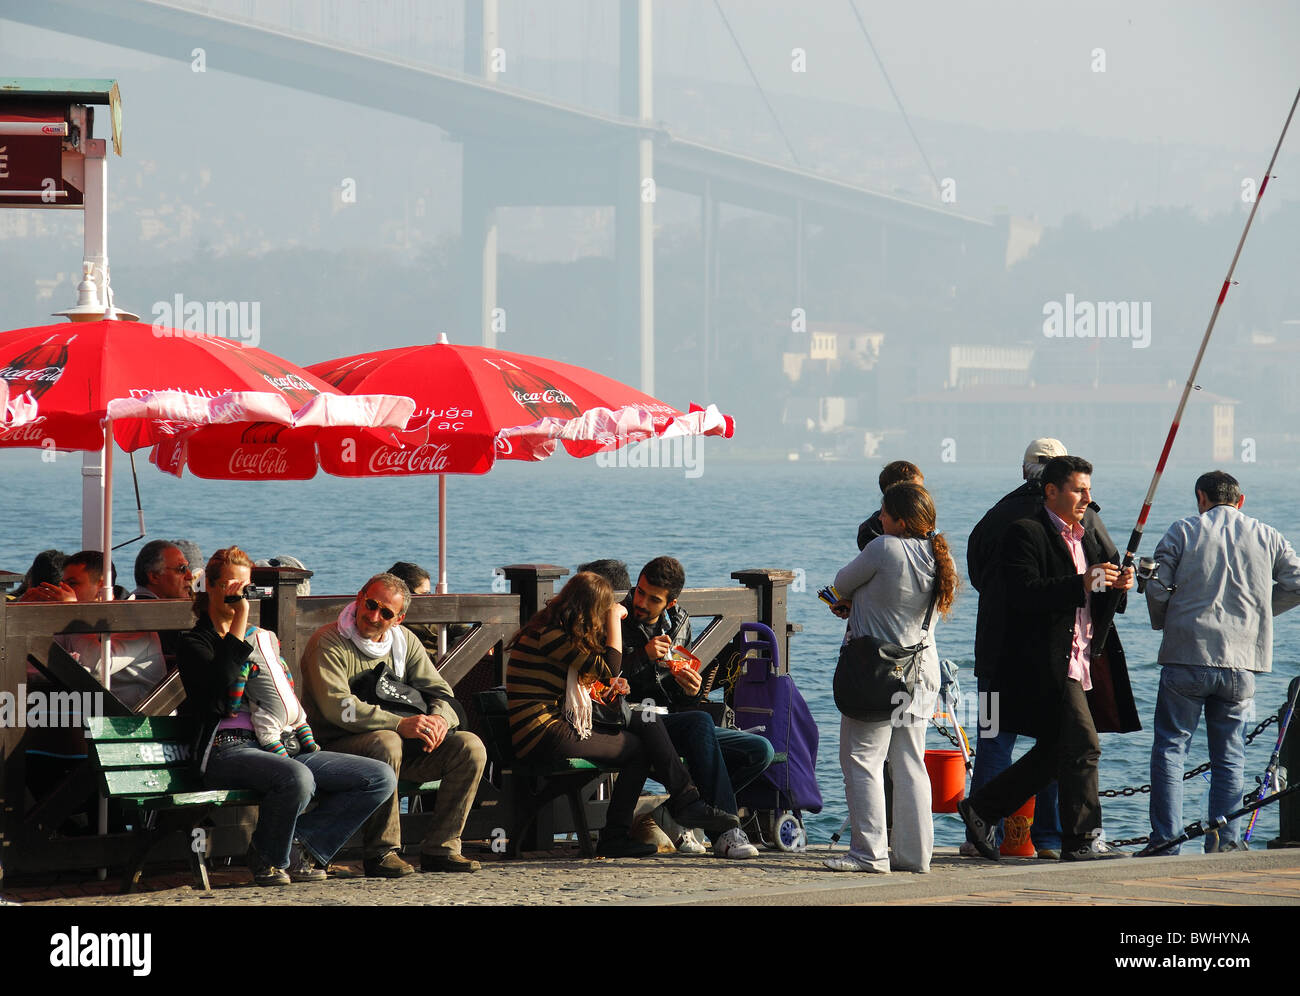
[
  {"x": 31, "y": 432},
  {"x": 549, "y": 397},
  {"x": 289, "y": 382},
  {"x": 44, "y": 375},
  {"x": 426, "y": 459},
  {"x": 271, "y": 460}
]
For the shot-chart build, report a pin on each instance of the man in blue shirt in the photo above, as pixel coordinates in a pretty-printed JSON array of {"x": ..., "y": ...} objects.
[{"x": 1220, "y": 577}]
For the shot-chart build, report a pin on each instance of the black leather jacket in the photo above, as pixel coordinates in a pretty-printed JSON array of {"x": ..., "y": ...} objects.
[{"x": 648, "y": 679}]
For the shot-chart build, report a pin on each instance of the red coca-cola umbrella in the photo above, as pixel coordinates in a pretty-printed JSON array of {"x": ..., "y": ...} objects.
[
  {"x": 71, "y": 386},
  {"x": 479, "y": 405}
]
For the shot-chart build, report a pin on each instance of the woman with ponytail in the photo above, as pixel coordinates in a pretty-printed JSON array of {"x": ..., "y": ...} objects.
[{"x": 885, "y": 592}]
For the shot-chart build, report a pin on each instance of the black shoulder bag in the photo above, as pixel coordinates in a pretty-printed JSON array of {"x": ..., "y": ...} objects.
[{"x": 873, "y": 676}]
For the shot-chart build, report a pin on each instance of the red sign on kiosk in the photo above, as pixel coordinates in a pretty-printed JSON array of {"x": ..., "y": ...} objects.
[{"x": 44, "y": 129}]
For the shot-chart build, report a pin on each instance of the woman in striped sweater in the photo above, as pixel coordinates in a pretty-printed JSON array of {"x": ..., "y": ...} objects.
[{"x": 575, "y": 641}]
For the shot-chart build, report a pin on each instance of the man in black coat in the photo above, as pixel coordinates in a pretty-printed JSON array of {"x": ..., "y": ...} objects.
[
  {"x": 898, "y": 472},
  {"x": 983, "y": 553},
  {"x": 1059, "y": 673}
]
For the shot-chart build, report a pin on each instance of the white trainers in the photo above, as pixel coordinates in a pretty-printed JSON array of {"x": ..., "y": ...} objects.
[
  {"x": 734, "y": 844},
  {"x": 690, "y": 843}
]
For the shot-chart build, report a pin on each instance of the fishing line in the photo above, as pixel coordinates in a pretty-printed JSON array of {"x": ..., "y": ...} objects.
[{"x": 1136, "y": 537}]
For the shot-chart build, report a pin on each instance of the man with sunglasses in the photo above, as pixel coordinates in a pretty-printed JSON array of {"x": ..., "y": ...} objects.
[
  {"x": 367, "y": 639},
  {"x": 161, "y": 571}
]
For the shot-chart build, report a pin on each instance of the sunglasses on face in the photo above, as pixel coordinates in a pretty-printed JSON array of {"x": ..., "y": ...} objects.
[
  {"x": 179, "y": 568},
  {"x": 384, "y": 611}
]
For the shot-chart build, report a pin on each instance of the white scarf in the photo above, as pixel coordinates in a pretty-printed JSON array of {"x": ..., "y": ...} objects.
[
  {"x": 577, "y": 704},
  {"x": 394, "y": 640}
]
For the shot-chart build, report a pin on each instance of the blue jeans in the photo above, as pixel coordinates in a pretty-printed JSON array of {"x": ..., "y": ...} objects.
[
  {"x": 721, "y": 762},
  {"x": 992, "y": 757},
  {"x": 347, "y": 789},
  {"x": 1226, "y": 695}
]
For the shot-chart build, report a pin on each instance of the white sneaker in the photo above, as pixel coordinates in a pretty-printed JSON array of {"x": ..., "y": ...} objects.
[
  {"x": 734, "y": 844},
  {"x": 689, "y": 843}
]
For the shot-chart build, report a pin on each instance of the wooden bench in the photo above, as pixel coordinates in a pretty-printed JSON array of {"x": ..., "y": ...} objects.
[
  {"x": 532, "y": 786},
  {"x": 146, "y": 763}
]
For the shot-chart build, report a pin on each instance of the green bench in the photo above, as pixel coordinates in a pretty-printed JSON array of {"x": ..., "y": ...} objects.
[
  {"x": 146, "y": 763},
  {"x": 533, "y": 786}
]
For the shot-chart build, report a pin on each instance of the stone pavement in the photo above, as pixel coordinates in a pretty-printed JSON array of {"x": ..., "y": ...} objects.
[{"x": 1259, "y": 877}]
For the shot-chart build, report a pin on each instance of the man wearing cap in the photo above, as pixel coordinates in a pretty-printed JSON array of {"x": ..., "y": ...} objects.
[
  {"x": 993, "y": 755},
  {"x": 1220, "y": 577}
]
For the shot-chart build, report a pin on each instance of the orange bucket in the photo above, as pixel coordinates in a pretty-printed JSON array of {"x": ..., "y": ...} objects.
[
  {"x": 1015, "y": 835},
  {"x": 947, "y": 771}
]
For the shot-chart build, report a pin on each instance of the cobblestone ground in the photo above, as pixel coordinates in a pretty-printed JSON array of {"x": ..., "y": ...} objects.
[{"x": 563, "y": 879}]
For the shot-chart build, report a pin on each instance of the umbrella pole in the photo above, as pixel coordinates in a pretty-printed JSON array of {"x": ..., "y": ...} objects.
[
  {"x": 442, "y": 556},
  {"x": 106, "y": 595}
]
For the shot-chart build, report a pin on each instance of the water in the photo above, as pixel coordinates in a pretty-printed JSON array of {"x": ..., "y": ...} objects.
[{"x": 737, "y": 514}]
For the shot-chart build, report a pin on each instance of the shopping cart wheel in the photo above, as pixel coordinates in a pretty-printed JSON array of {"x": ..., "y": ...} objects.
[{"x": 789, "y": 833}]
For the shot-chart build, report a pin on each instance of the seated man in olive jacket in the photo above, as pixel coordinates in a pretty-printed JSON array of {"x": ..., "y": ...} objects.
[{"x": 420, "y": 747}]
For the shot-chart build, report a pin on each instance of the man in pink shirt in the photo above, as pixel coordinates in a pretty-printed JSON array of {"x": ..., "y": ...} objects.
[{"x": 1060, "y": 674}]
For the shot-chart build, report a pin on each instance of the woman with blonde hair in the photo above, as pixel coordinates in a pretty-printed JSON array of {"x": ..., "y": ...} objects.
[
  {"x": 886, "y": 592},
  {"x": 235, "y": 682},
  {"x": 568, "y": 654}
]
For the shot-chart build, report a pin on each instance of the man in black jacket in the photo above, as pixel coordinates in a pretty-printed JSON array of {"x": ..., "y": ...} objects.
[
  {"x": 898, "y": 472},
  {"x": 1059, "y": 671},
  {"x": 721, "y": 761},
  {"x": 993, "y": 755}
]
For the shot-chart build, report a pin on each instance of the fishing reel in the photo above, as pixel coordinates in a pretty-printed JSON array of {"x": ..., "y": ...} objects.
[{"x": 1146, "y": 570}]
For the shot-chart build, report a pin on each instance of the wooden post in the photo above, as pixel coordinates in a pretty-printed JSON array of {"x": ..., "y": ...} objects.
[
  {"x": 534, "y": 584},
  {"x": 771, "y": 587},
  {"x": 280, "y": 611}
]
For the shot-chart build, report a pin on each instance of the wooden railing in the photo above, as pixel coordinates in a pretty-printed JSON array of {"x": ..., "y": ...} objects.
[{"x": 30, "y": 825}]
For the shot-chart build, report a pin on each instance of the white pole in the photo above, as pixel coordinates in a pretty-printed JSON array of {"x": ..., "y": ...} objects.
[
  {"x": 95, "y": 251},
  {"x": 106, "y": 594},
  {"x": 442, "y": 557}
]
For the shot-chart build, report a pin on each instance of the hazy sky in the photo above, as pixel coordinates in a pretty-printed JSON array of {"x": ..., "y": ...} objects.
[{"x": 1176, "y": 70}]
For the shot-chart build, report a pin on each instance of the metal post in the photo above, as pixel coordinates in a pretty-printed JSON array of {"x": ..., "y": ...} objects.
[
  {"x": 707, "y": 244},
  {"x": 634, "y": 204},
  {"x": 95, "y": 251},
  {"x": 800, "y": 265},
  {"x": 478, "y": 223}
]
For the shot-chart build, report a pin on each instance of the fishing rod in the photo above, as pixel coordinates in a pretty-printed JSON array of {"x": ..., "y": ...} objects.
[
  {"x": 1136, "y": 537},
  {"x": 1201, "y": 827},
  {"x": 1270, "y": 773}
]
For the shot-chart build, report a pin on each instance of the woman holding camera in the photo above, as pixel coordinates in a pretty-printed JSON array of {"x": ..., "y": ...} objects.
[
  {"x": 886, "y": 592},
  {"x": 254, "y": 736}
]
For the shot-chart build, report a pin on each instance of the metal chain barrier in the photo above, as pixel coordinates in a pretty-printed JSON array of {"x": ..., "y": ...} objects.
[
  {"x": 1112, "y": 793},
  {"x": 1115, "y": 793}
]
